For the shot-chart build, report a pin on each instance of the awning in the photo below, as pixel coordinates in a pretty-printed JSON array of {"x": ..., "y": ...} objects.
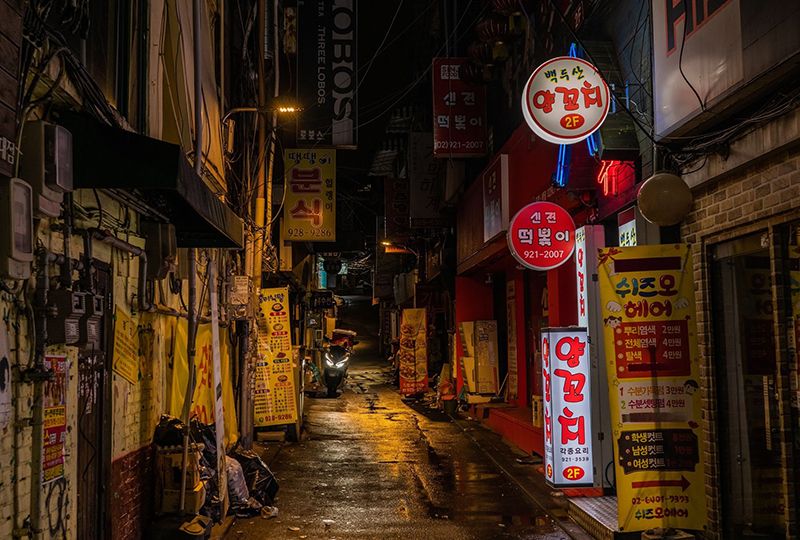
[{"x": 106, "y": 157}]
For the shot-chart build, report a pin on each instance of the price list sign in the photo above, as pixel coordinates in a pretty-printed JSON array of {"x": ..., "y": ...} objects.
[
  {"x": 275, "y": 395},
  {"x": 648, "y": 310},
  {"x": 459, "y": 110}
]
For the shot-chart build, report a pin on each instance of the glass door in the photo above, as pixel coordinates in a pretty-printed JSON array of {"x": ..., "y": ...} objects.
[{"x": 748, "y": 421}]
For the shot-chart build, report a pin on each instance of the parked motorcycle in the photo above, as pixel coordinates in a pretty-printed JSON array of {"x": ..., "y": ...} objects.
[{"x": 337, "y": 360}]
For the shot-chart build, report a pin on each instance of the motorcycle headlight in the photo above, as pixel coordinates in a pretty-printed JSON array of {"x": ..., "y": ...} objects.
[{"x": 329, "y": 360}]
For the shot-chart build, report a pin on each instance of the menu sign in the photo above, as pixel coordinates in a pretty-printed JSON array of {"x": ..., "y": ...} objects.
[
  {"x": 459, "y": 111},
  {"x": 647, "y": 296},
  {"x": 54, "y": 429},
  {"x": 413, "y": 352},
  {"x": 567, "y": 407},
  {"x": 275, "y": 395}
]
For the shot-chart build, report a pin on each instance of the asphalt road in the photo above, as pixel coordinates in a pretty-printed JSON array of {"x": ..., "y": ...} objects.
[{"x": 371, "y": 466}]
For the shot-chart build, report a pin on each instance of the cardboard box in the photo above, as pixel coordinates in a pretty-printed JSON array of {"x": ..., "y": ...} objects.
[
  {"x": 486, "y": 369},
  {"x": 169, "y": 463},
  {"x": 467, "y": 332},
  {"x": 468, "y": 371},
  {"x": 537, "y": 404},
  {"x": 170, "y": 499}
]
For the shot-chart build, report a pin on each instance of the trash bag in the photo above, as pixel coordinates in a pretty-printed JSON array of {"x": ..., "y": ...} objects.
[
  {"x": 168, "y": 432},
  {"x": 242, "y": 504},
  {"x": 260, "y": 481},
  {"x": 207, "y": 435}
]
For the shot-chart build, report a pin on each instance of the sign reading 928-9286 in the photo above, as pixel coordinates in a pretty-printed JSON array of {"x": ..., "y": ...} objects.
[
  {"x": 565, "y": 100},
  {"x": 541, "y": 236},
  {"x": 310, "y": 201}
]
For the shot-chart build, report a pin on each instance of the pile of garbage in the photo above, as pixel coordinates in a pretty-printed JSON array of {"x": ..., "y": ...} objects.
[{"x": 252, "y": 487}]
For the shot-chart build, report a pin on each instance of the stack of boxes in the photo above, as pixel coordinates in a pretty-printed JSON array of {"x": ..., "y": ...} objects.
[
  {"x": 479, "y": 361},
  {"x": 169, "y": 464}
]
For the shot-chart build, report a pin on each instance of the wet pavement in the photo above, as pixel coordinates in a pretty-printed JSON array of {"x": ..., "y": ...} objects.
[{"x": 372, "y": 466}]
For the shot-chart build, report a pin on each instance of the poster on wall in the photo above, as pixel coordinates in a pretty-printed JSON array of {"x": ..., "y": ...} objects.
[
  {"x": 126, "y": 346},
  {"x": 54, "y": 429},
  {"x": 275, "y": 400},
  {"x": 567, "y": 407},
  {"x": 310, "y": 198},
  {"x": 459, "y": 110},
  {"x": 5, "y": 380},
  {"x": 413, "y": 351},
  {"x": 647, "y": 296},
  {"x": 327, "y": 62}
]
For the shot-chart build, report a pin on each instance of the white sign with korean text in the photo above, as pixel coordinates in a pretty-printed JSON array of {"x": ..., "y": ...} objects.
[
  {"x": 565, "y": 100},
  {"x": 567, "y": 407}
]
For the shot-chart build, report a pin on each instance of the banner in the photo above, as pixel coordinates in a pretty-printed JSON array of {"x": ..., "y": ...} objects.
[
  {"x": 512, "y": 385},
  {"x": 54, "y": 429},
  {"x": 413, "y": 351},
  {"x": 567, "y": 407},
  {"x": 326, "y": 72},
  {"x": 275, "y": 399},
  {"x": 126, "y": 348},
  {"x": 203, "y": 402},
  {"x": 647, "y": 297},
  {"x": 310, "y": 199},
  {"x": 459, "y": 110}
]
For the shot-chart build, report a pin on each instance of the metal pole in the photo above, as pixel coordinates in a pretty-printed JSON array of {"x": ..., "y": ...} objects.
[
  {"x": 275, "y": 93},
  {"x": 261, "y": 154}
]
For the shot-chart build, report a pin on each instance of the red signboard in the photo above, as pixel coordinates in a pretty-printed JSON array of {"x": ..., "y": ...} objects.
[
  {"x": 541, "y": 236},
  {"x": 565, "y": 100},
  {"x": 459, "y": 111}
]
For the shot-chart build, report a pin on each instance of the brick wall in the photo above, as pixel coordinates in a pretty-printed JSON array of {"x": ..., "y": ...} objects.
[
  {"x": 763, "y": 194},
  {"x": 132, "y": 494}
]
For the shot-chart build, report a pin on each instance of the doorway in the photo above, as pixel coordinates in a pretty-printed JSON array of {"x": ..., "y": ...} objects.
[
  {"x": 93, "y": 413},
  {"x": 751, "y": 475}
]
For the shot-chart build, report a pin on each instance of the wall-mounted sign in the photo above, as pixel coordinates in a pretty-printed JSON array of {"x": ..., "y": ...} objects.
[
  {"x": 647, "y": 297},
  {"x": 310, "y": 205},
  {"x": 54, "y": 428},
  {"x": 565, "y": 100},
  {"x": 425, "y": 189},
  {"x": 567, "y": 407},
  {"x": 541, "y": 236},
  {"x": 459, "y": 111},
  {"x": 495, "y": 197},
  {"x": 326, "y": 69}
]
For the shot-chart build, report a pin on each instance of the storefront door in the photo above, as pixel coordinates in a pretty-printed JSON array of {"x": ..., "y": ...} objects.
[{"x": 748, "y": 401}]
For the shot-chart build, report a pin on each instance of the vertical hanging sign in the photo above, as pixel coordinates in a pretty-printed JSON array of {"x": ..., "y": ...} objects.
[
  {"x": 326, "y": 72},
  {"x": 459, "y": 111},
  {"x": 647, "y": 296},
  {"x": 567, "y": 407},
  {"x": 512, "y": 385},
  {"x": 310, "y": 198}
]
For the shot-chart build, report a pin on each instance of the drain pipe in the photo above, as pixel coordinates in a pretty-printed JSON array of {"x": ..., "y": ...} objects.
[{"x": 197, "y": 6}]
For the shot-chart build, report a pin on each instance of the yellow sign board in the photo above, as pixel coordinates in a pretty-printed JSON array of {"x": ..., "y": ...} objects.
[
  {"x": 310, "y": 199},
  {"x": 126, "y": 347},
  {"x": 650, "y": 330},
  {"x": 275, "y": 391}
]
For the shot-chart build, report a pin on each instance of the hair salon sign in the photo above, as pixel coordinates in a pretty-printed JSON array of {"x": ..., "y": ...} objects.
[{"x": 565, "y": 100}]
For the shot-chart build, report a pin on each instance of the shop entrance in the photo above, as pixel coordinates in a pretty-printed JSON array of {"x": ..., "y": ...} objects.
[{"x": 748, "y": 401}]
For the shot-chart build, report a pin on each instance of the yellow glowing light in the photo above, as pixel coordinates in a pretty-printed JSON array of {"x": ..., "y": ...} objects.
[
  {"x": 386, "y": 243},
  {"x": 288, "y": 110}
]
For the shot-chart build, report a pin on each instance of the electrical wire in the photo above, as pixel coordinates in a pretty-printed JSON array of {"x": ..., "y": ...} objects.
[
  {"x": 686, "y": 15},
  {"x": 378, "y": 50}
]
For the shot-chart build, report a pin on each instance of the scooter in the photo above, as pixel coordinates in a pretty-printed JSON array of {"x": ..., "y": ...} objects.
[{"x": 337, "y": 360}]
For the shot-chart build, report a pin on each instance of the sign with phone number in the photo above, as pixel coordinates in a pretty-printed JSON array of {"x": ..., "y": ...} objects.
[{"x": 541, "y": 236}]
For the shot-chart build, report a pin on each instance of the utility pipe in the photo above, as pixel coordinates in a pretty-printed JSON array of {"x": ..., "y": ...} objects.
[
  {"x": 261, "y": 153},
  {"x": 197, "y": 6}
]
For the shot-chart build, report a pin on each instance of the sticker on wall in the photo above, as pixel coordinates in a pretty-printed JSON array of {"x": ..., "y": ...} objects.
[{"x": 565, "y": 100}]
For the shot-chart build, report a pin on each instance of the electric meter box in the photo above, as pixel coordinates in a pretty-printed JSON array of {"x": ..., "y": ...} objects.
[
  {"x": 46, "y": 163},
  {"x": 66, "y": 310},
  {"x": 16, "y": 228}
]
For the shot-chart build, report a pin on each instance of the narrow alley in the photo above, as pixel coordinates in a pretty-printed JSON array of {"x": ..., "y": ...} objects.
[{"x": 373, "y": 465}]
